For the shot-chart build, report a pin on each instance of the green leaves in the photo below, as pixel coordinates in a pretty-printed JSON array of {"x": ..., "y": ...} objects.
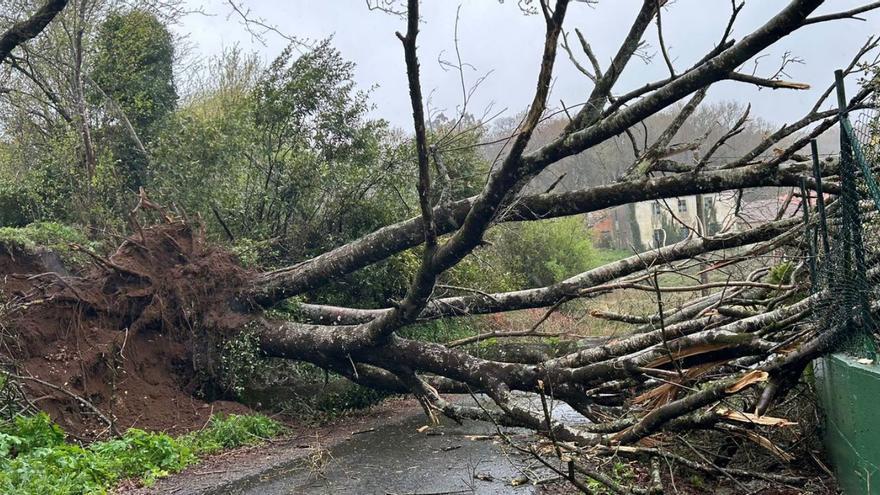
[
  {"x": 35, "y": 460},
  {"x": 134, "y": 66},
  {"x": 241, "y": 361},
  {"x": 34, "y": 432},
  {"x": 225, "y": 432},
  {"x": 545, "y": 252},
  {"x": 134, "y": 69},
  {"x": 284, "y": 152}
]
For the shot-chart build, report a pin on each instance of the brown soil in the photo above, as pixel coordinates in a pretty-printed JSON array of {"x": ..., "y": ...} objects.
[{"x": 126, "y": 334}]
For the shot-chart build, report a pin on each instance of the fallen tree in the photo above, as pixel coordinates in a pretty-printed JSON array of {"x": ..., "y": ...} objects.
[{"x": 719, "y": 361}]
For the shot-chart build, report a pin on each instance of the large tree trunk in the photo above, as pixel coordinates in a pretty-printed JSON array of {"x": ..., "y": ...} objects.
[{"x": 669, "y": 374}]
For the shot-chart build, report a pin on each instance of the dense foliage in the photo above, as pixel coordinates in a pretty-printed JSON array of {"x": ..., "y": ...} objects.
[
  {"x": 133, "y": 76},
  {"x": 36, "y": 459}
]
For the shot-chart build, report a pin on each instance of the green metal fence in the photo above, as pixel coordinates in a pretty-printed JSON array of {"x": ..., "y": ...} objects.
[
  {"x": 849, "y": 381},
  {"x": 849, "y": 230}
]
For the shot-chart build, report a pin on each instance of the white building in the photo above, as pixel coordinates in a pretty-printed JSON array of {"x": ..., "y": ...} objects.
[{"x": 651, "y": 224}]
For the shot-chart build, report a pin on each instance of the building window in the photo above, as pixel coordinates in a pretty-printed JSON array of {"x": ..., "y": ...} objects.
[
  {"x": 707, "y": 202},
  {"x": 682, "y": 206},
  {"x": 659, "y": 238},
  {"x": 657, "y": 208}
]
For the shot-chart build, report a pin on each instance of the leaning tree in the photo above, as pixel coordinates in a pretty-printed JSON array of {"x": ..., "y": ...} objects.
[{"x": 717, "y": 362}]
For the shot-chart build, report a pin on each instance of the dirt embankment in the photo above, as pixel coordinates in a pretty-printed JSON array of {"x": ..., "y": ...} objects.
[{"x": 126, "y": 334}]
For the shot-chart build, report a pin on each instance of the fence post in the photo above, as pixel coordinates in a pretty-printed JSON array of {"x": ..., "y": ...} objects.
[
  {"x": 854, "y": 249},
  {"x": 820, "y": 197},
  {"x": 811, "y": 246}
]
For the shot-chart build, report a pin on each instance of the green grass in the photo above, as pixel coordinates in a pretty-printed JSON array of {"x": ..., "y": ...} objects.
[
  {"x": 55, "y": 237},
  {"x": 48, "y": 234},
  {"x": 226, "y": 432},
  {"x": 605, "y": 256},
  {"x": 36, "y": 459}
]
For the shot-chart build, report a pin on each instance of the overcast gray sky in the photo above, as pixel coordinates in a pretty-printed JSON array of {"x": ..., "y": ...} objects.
[{"x": 498, "y": 39}]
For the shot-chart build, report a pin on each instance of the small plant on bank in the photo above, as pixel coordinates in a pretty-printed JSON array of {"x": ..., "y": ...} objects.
[
  {"x": 52, "y": 236},
  {"x": 35, "y": 459},
  {"x": 240, "y": 361},
  {"x": 226, "y": 432}
]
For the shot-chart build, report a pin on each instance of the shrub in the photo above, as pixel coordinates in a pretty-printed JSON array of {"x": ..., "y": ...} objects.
[
  {"x": 27, "y": 433},
  {"x": 241, "y": 360},
  {"x": 224, "y": 432},
  {"x": 17, "y": 204},
  {"x": 548, "y": 251},
  {"x": 34, "y": 458}
]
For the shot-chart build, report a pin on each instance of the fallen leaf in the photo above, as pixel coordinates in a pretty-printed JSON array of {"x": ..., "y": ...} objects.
[
  {"x": 479, "y": 437},
  {"x": 520, "y": 480}
]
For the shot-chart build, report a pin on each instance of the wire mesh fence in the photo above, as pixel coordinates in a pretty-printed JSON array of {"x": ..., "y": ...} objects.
[{"x": 849, "y": 263}]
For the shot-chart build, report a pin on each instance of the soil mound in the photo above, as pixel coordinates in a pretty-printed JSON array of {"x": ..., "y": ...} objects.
[{"x": 126, "y": 334}]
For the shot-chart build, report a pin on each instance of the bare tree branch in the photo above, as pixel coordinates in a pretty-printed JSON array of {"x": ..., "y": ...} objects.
[
  {"x": 23, "y": 31},
  {"x": 849, "y": 14}
]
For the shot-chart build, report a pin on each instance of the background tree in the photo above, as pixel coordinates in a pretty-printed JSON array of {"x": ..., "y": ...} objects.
[
  {"x": 52, "y": 101},
  {"x": 133, "y": 67},
  {"x": 324, "y": 194}
]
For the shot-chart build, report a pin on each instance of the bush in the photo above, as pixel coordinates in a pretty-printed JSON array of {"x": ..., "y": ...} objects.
[
  {"x": 17, "y": 204},
  {"x": 48, "y": 184},
  {"x": 41, "y": 462},
  {"x": 241, "y": 361},
  {"x": 544, "y": 252},
  {"x": 27, "y": 433},
  {"x": 34, "y": 459},
  {"x": 226, "y": 432}
]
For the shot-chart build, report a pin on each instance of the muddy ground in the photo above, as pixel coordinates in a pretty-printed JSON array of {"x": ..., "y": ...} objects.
[{"x": 122, "y": 335}]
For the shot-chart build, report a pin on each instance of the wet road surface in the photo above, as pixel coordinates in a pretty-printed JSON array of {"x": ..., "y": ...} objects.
[{"x": 399, "y": 459}]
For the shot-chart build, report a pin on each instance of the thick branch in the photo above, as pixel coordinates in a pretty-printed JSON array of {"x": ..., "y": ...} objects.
[
  {"x": 272, "y": 287},
  {"x": 30, "y": 28},
  {"x": 567, "y": 289}
]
